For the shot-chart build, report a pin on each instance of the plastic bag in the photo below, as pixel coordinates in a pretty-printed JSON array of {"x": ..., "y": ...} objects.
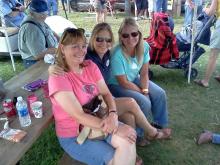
[{"x": 14, "y": 135}]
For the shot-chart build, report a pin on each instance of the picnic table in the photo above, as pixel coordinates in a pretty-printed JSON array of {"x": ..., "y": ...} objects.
[{"x": 11, "y": 153}]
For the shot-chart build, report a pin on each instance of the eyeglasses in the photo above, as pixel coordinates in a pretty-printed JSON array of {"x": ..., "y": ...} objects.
[
  {"x": 133, "y": 34},
  {"x": 102, "y": 39},
  {"x": 77, "y": 46}
]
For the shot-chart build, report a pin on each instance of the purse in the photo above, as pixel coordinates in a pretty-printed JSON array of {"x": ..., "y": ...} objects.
[{"x": 93, "y": 107}]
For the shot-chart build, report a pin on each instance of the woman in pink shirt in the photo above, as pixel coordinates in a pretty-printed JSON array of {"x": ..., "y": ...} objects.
[{"x": 68, "y": 92}]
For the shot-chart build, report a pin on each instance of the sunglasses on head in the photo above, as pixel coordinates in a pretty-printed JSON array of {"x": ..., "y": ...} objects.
[
  {"x": 133, "y": 34},
  {"x": 102, "y": 39},
  {"x": 72, "y": 30}
]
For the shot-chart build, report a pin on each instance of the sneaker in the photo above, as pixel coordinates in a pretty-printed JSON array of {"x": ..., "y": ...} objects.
[{"x": 137, "y": 18}]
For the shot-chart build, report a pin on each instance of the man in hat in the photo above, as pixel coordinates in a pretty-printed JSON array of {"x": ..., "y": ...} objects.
[
  {"x": 13, "y": 12},
  {"x": 35, "y": 38}
]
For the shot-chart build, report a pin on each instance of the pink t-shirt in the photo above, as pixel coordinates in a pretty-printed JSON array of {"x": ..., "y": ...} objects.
[{"x": 83, "y": 86}]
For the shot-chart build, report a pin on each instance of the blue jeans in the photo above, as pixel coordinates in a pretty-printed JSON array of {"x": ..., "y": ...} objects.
[
  {"x": 155, "y": 103},
  {"x": 52, "y": 5},
  {"x": 28, "y": 63},
  {"x": 160, "y": 6},
  {"x": 189, "y": 14},
  {"x": 91, "y": 152},
  {"x": 216, "y": 138}
]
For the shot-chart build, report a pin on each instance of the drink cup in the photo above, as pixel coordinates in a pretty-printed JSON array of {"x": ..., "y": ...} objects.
[
  {"x": 37, "y": 109},
  {"x": 45, "y": 89},
  {"x": 30, "y": 99}
]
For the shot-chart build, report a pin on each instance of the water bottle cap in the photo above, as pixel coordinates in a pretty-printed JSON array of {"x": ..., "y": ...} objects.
[{"x": 19, "y": 98}]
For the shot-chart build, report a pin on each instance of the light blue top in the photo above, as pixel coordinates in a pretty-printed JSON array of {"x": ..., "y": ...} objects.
[
  {"x": 6, "y": 8},
  {"x": 129, "y": 66}
]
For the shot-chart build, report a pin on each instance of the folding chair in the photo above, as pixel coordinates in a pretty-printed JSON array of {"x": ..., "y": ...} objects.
[{"x": 9, "y": 40}]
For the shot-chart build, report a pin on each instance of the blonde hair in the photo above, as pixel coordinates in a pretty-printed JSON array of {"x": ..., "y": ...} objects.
[
  {"x": 98, "y": 28},
  {"x": 139, "y": 48},
  {"x": 70, "y": 36}
]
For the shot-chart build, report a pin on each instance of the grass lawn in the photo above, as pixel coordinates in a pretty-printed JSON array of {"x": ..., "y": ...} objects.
[{"x": 191, "y": 109}]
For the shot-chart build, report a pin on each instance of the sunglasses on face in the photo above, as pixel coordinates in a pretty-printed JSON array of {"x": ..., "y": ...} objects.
[
  {"x": 133, "y": 34},
  {"x": 102, "y": 39}
]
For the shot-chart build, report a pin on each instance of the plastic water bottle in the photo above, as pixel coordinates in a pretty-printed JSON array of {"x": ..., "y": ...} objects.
[{"x": 23, "y": 113}]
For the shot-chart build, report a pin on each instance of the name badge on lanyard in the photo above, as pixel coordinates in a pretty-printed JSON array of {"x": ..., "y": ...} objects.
[{"x": 134, "y": 65}]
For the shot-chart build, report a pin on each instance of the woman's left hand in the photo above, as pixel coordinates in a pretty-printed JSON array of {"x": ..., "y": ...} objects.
[{"x": 110, "y": 123}]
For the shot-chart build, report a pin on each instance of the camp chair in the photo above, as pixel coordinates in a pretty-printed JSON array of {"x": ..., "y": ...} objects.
[{"x": 9, "y": 40}]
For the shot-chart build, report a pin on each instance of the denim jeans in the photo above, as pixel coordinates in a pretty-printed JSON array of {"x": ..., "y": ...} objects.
[
  {"x": 155, "y": 103},
  {"x": 160, "y": 6},
  {"x": 216, "y": 138},
  {"x": 28, "y": 63},
  {"x": 189, "y": 14},
  {"x": 52, "y": 5}
]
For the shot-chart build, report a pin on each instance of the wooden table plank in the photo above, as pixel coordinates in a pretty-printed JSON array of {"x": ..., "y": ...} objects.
[{"x": 11, "y": 153}]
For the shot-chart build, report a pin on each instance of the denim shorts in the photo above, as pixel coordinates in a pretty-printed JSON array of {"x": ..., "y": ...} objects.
[
  {"x": 99, "y": 6},
  {"x": 91, "y": 152},
  {"x": 215, "y": 38},
  {"x": 142, "y": 4}
]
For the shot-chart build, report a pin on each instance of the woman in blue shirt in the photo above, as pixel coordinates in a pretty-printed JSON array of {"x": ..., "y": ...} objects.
[{"x": 129, "y": 74}]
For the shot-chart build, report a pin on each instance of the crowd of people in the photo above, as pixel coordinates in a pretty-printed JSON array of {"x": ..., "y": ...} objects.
[{"x": 118, "y": 73}]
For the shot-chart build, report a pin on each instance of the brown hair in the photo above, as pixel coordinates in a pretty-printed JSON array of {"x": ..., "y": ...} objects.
[
  {"x": 100, "y": 27},
  {"x": 139, "y": 49},
  {"x": 69, "y": 36}
]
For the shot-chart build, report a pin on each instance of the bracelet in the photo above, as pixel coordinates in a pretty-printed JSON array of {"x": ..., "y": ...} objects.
[
  {"x": 145, "y": 90},
  {"x": 113, "y": 111}
]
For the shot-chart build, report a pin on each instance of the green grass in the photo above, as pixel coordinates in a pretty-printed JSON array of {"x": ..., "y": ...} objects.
[{"x": 191, "y": 109}]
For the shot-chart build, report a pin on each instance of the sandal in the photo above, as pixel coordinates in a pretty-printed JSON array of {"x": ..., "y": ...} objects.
[
  {"x": 139, "y": 161},
  {"x": 217, "y": 78},
  {"x": 200, "y": 83},
  {"x": 142, "y": 142},
  {"x": 164, "y": 133}
]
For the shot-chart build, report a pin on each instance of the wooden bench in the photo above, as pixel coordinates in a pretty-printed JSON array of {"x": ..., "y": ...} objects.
[{"x": 67, "y": 160}]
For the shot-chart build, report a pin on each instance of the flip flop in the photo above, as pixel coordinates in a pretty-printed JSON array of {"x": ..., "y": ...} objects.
[
  {"x": 139, "y": 161},
  {"x": 200, "y": 83},
  {"x": 217, "y": 78},
  {"x": 161, "y": 134}
]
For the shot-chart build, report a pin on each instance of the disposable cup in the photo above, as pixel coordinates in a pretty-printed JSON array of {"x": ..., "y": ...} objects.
[{"x": 37, "y": 109}]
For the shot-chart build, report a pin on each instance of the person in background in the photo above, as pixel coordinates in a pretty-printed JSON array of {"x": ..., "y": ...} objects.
[
  {"x": 129, "y": 75},
  {"x": 214, "y": 45},
  {"x": 52, "y": 7},
  {"x": 208, "y": 137},
  {"x": 151, "y": 8},
  {"x": 100, "y": 43},
  {"x": 189, "y": 8},
  {"x": 35, "y": 38},
  {"x": 70, "y": 91},
  {"x": 13, "y": 12},
  {"x": 101, "y": 10},
  {"x": 160, "y": 6},
  {"x": 141, "y": 9}
]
